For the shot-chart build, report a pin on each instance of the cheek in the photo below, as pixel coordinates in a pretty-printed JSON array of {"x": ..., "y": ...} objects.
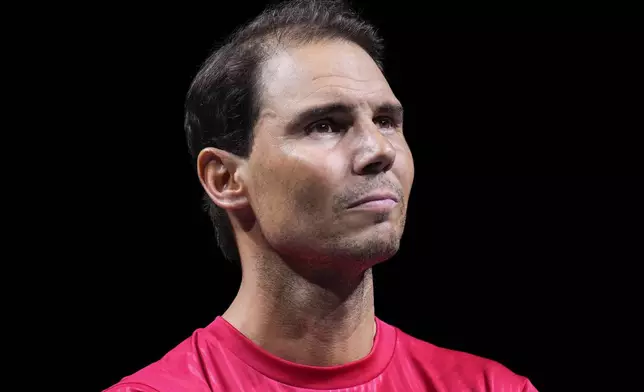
[
  {"x": 293, "y": 206},
  {"x": 291, "y": 193},
  {"x": 310, "y": 193},
  {"x": 404, "y": 165},
  {"x": 410, "y": 170}
]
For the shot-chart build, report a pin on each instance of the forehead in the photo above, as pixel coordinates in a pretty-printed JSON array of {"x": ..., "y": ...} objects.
[{"x": 324, "y": 72}]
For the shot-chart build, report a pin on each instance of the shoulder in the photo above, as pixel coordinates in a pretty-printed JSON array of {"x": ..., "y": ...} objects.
[
  {"x": 460, "y": 368},
  {"x": 180, "y": 369},
  {"x": 130, "y": 387}
]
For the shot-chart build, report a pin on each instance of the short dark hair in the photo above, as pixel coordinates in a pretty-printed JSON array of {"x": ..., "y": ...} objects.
[{"x": 222, "y": 104}]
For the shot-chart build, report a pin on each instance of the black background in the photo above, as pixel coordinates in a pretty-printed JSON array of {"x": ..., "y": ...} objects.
[{"x": 524, "y": 225}]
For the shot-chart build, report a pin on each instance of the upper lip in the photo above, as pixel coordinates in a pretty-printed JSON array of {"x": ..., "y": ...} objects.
[{"x": 379, "y": 195}]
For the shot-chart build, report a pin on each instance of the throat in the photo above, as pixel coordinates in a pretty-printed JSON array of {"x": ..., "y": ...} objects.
[{"x": 306, "y": 324}]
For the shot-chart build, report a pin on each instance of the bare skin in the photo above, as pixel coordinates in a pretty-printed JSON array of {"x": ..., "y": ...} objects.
[{"x": 307, "y": 289}]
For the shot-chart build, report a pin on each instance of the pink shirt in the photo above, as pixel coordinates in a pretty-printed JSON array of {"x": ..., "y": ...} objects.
[{"x": 219, "y": 358}]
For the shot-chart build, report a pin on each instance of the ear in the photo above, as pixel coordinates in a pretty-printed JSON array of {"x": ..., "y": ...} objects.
[{"x": 220, "y": 174}]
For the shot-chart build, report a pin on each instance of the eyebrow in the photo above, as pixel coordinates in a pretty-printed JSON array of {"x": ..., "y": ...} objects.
[{"x": 392, "y": 109}]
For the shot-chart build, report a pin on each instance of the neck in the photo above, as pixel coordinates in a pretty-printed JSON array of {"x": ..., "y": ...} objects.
[{"x": 304, "y": 322}]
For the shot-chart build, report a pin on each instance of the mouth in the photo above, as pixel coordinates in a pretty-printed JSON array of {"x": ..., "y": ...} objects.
[{"x": 378, "y": 200}]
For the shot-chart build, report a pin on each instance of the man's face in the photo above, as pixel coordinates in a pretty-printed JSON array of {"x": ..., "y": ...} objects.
[{"x": 307, "y": 170}]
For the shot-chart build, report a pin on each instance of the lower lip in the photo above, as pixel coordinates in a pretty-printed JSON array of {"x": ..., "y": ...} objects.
[{"x": 384, "y": 204}]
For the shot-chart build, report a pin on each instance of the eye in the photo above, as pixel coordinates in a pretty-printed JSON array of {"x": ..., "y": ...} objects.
[
  {"x": 385, "y": 122},
  {"x": 323, "y": 126}
]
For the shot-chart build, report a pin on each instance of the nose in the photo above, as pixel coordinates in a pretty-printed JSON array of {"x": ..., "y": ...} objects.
[{"x": 375, "y": 153}]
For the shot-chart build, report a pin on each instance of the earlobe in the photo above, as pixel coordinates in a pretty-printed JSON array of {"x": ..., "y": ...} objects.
[{"x": 219, "y": 175}]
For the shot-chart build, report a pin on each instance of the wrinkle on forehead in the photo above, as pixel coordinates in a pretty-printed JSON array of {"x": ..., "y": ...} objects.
[
  {"x": 340, "y": 76},
  {"x": 335, "y": 91},
  {"x": 334, "y": 84},
  {"x": 293, "y": 71}
]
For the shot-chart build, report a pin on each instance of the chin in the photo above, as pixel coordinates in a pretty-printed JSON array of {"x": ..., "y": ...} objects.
[{"x": 369, "y": 251}]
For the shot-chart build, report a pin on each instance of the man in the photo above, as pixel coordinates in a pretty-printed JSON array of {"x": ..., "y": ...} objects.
[{"x": 298, "y": 143}]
